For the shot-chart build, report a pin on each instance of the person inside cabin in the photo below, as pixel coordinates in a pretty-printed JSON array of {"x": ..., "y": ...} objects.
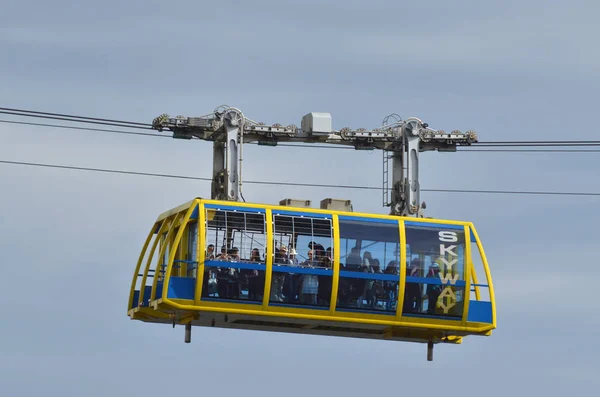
[
  {"x": 374, "y": 287},
  {"x": 354, "y": 261},
  {"x": 325, "y": 283},
  {"x": 355, "y": 287},
  {"x": 290, "y": 286},
  {"x": 223, "y": 275},
  {"x": 278, "y": 278},
  {"x": 293, "y": 256},
  {"x": 433, "y": 291},
  {"x": 256, "y": 279},
  {"x": 391, "y": 287},
  {"x": 223, "y": 256},
  {"x": 318, "y": 250},
  {"x": 412, "y": 291},
  {"x": 233, "y": 275},
  {"x": 234, "y": 254},
  {"x": 210, "y": 252},
  {"x": 293, "y": 281},
  {"x": 310, "y": 282}
]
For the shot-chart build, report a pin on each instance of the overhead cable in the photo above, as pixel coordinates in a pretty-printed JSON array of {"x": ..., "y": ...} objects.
[{"x": 317, "y": 185}]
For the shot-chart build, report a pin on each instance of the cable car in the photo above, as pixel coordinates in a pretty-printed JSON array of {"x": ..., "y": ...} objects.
[{"x": 227, "y": 264}]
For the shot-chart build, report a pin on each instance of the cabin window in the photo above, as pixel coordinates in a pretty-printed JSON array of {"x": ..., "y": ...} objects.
[
  {"x": 191, "y": 258},
  {"x": 369, "y": 257},
  {"x": 302, "y": 260},
  {"x": 234, "y": 266},
  {"x": 480, "y": 290},
  {"x": 435, "y": 277}
]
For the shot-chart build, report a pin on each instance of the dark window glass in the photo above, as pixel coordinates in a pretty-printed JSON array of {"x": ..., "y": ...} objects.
[
  {"x": 369, "y": 257},
  {"x": 435, "y": 279}
]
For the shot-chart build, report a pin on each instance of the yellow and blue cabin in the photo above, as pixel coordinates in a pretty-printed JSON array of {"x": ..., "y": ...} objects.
[{"x": 313, "y": 271}]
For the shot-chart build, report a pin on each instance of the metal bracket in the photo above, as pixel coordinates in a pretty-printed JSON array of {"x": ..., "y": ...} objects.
[{"x": 228, "y": 128}]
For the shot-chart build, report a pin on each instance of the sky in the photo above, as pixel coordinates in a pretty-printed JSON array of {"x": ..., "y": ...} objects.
[{"x": 510, "y": 70}]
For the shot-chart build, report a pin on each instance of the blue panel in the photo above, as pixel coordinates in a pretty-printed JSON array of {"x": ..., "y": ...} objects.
[
  {"x": 436, "y": 225},
  {"x": 147, "y": 294},
  {"x": 236, "y": 265},
  {"x": 309, "y": 307},
  {"x": 433, "y": 316},
  {"x": 431, "y": 280},
  {"x": 159, "y": 289},
  {"x": 302, "y": 214},
  {"x": 480, "y": 312},
  {"x": 233, "y": 208},
  {"x": 136, "y": 296},
  {"x": 369, "y": 276},
  {"x": 302, "y": 270},
  {"x": 223, "y": 300},
  {"x": 473, "y": 240},
  {"x": 181, "y": 288},
  {"x": 383, "y": 312},
  {"x": 371, "y": 220},
  {"x": 195, "y": 213}
]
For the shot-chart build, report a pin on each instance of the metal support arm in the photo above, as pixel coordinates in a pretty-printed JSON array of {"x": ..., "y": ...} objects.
[{"x": 229, "y": 129}]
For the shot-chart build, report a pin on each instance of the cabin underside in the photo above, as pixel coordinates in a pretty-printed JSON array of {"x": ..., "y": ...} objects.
[{"x": 294, "y": 325}]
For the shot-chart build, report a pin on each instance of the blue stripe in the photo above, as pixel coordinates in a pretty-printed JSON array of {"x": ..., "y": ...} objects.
[
  {"x": 232, "y": 208},
  {"x": 310, "y": 307},
  {"x": 436, "y": 225},
  {"x": 480, "y": 285},
  {"x": 302, "y": 214},
  {"x": 473, "y": 240},
  {"x": 302, "y": 270},
  {"x": 207, "y": 299},
  {"x": 383, "y": 312},
  {"x": 369, "y": 276},
  {"x": 437, "y": 317},
  {"x": 431, "y": 280},
  {"x": 236, "y": 265},
  {"x": 371, "y": 220}
]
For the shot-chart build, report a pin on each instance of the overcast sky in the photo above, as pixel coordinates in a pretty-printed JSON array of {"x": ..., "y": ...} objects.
[{"x": 514, "y": 70}]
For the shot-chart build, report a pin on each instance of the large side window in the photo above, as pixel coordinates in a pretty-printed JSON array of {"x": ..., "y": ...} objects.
[
  {"x": 234, "y": 267},
  {"x": 369, "y": 258},
  {"x": 302, "y": 260},
  {"x": 435, "y": 277},
  {"x": 190, "y": 262}
]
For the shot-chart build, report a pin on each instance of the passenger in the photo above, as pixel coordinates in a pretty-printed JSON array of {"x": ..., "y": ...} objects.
[
  {"x": 354, "y": 261},
  {"x": 433, "y": 291},
  {"x": 210, "y": 252},
  {"x": 234, "y": 254},
  {"x": 209, "y": 273},
  {"x": 367, "y": 260},
  {"x": 293, "y": 256},
  {"x": 223, "y": 256},
  {"x": 256, "y": 279},
  {"x": 277, "y": 277},
  {"x": 325, "y": 283},
  {"x": 391, "y": 287},
  {"x": 412, "y": 292},
  {"x": 310, "y": 283},
  {"x": 292, "y": 280},
  {"x": 374, "y": 288},
  {"x": 318, "y": 250}
]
